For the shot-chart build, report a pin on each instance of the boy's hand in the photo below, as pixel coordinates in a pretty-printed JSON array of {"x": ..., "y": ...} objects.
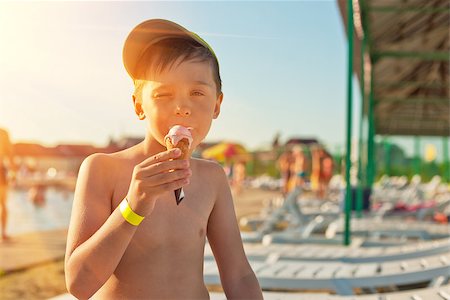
[{"x": 153, "y": 177}]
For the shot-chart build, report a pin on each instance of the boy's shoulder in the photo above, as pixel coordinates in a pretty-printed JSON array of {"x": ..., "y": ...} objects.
[
  {"x": 102, "y": 159},
  {"x": 206, "y": 164},
  {"x": 208, "y": 169},
  {"x": 103, "y": 171},
  {"x": 211, "y": 177},
  {"x": 99, "y": 163}
]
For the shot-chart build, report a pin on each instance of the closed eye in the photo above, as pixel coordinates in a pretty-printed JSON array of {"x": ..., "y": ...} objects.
[{"x": 161, "y": 95}]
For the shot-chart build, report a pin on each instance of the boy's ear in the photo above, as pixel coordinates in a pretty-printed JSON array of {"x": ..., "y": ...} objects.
[
  {"x": 138, "y": 108},
  {"x": 217, "y": 107}
]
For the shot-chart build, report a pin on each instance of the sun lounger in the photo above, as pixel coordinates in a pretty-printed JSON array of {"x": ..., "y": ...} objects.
[
  {"x": 439, "y": 293},
  {"x": 353, "y": 254},
  {"x": 282, "y": 296},
  {"x": 298, "y": 237},
  {"x": 340, "y": 277},
  {"x": 393, "y": 228},
  {"x": 301, "y": 226},
  {"x": 371, "y": 230},
  {"x": 289, "y": 210},
  {"x": 304, "y": 225}
]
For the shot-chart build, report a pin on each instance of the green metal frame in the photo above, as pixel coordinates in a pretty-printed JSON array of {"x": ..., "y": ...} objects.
[
  {"x": 371, "y": 136},
  {"x": 367, "y": 178},
  {"x": 387, "y": 156},
  {"x": 361, "y": 175},
  {"x": 348, "y": 195},
  {"x": 370, "y": 166},
  {"x": 446, "y": 174},
  {"x": 417, "y": 159}
]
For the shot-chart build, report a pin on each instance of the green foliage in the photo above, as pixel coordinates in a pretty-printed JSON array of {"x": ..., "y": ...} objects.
[
  {"x": 264, "y": 167},
  {"x": 427, "y": 170}
]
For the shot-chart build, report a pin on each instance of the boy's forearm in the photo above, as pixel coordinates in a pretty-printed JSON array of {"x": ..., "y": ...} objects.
[
  {"x": 246, "y": 287},
  {"x": 91, "y": 264}
]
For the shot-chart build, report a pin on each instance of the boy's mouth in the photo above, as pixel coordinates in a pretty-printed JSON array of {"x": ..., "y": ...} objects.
[{"x": 190, "y": 128}]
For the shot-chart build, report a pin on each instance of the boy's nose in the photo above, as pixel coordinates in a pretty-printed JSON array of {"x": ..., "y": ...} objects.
[{"x": 183, "y": 111}]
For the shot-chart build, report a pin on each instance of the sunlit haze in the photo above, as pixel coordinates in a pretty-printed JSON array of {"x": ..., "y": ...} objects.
[{"x": 283, "y": 67}]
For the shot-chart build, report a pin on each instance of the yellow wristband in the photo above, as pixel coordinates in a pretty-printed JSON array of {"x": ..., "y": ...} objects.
[{"x": 128, "y": 214}]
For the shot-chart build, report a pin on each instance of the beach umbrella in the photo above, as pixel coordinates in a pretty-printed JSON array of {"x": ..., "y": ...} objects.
[{"x": 226, "y": 151}]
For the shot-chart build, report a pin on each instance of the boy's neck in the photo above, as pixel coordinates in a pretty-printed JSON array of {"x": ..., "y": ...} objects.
[{"x": 150, "y": 146}]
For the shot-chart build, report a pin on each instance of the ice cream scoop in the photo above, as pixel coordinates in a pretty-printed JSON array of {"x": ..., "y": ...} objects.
[
  {"x": 177, "y": 133},
  {"x": 179, "y": 137}
]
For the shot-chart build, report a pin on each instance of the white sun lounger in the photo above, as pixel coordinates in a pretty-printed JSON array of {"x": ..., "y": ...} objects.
[
  {"x": 340, "y": 277},
  {"x": 435, "y": 293},
  {"x": 438, "y": 293},
  {"x": 341, "y": 253},
  {"x": 397, "y": 228},
  {"x": 303, "y": 226},
  {"x": 298, "y": 237},
  {"x": 367, "y": 231}
]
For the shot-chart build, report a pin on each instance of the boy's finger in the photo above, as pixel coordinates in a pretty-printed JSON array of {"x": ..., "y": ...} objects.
[
  {"x": 171, "y": 186},
  {"x": 164, "y": 178},
  {"x": 161, "y": 167},
  {"x": 162, "y": 156}
]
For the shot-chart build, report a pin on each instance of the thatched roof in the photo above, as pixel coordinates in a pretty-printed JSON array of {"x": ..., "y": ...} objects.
[{"x": 408, "y": 42}]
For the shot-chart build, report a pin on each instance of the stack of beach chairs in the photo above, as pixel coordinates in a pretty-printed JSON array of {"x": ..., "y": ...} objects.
[{"x": 392, "y": 255}]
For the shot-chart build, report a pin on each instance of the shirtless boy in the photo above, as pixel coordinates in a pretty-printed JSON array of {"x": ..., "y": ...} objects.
[{"x": 177, "y": 82}]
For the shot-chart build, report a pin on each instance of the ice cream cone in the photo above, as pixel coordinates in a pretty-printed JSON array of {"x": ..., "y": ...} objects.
[
  {"x": 179, "y": 137},
  {"x": 183, "y": 145}
]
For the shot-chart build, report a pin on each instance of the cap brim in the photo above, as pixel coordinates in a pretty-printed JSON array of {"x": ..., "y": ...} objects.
[{"x": 148, "y": 33}]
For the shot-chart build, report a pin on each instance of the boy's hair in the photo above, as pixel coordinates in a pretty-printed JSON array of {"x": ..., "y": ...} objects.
[{"x": 165, "y": 53}]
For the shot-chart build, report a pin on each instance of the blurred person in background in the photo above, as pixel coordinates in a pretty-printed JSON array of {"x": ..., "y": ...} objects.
[
  {"x": 238, "y": 176},
  {"x": 284, "y": 164},
  {"x": 322, "y": 171},
  {"x": 299, "y": 168},
  {"x": 7, "y": 169}
]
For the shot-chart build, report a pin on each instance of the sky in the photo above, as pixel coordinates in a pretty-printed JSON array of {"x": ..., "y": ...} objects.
[{"x": 283, "y": 66}]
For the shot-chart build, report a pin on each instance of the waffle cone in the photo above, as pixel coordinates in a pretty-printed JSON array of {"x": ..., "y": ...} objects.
[{"x": 183, "y": 145}]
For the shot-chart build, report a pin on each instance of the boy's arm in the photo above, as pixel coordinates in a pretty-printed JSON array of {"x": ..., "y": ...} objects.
[
  {"x": 97, "y": 239},
  {"x": 237, "y": 277}
]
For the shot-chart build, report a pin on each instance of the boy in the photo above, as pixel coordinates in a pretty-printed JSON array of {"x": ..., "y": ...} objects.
[{"x": 127, "y": 238}]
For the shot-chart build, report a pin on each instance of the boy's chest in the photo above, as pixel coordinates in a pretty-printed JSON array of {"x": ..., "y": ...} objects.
[{"x": 171, "y": 223}]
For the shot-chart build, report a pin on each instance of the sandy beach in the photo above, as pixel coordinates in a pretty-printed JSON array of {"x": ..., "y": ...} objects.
[{"x": 47, "y": 280}]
